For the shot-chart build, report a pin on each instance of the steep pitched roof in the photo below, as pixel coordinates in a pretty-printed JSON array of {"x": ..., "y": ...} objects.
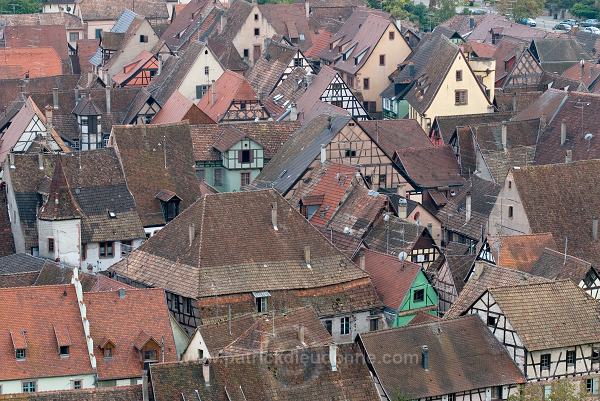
[
  {"x": 230, "y": 87},
  {"x": 40, "y": 36},
  {"x": 187, "y": 21},
  {"x": 487, "y": 276},
  {"x": 294, "y": 157},
  {"x": 298, "y": 376},
  {"x": 16, "y": 63},
  {"x": 453, "y": 367},
  {"x": 120, "y": 393},
  {"x": 392, "y": 135},
  {"x": 196, "y": 255},
  {"x": 121, "y": 320},
  {"x": 521, "y": 252},
  {"x": 261, "y": 333},
  {"x": 558, "y": 54},
  {"x": 555, "y": 265},
  {"x": 430, "y": 167},
  {"x": 542, "y": 319},
  {"x": 551, "y": 197},
  {"x": 289, "y": 21},
  {"x": 97, "y": 10},
  {"x": 391, "y": 277},
  {"x": 21, "y": 319},
  {"x": 588, "y": 74},
  {"x": 179, "y": 108},
  {"x": 61, "y": 204},
  {"x": 148, "y": 171},
  {"x": 445, "y": 125},
  {"x": 394, "y": 236},
  {"x": 132, "y": 67}
]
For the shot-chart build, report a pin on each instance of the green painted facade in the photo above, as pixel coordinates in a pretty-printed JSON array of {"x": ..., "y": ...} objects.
[
  {"x": 395, "y": 108},
  {"x": 244, "y": 158},
  {"x": 410, "y": 303}
]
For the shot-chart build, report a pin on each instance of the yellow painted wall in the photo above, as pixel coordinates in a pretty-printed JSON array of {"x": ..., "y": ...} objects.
[
  {"x": 486, "y": 69},
  {"x": 196, "y": 75},
  {"x": 443, "y": 103},
  {"x": 245, "y": 38},
  {"x": 396, "y": 51}
]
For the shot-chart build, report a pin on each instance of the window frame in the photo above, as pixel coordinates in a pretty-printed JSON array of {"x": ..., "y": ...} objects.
[
  {"x": 262, "y": 306},
  {"x": 71, "y": 36},
  {"x": 511, "y": 212},
  {"x": 206, "y": 70},
  {"x": 545, "y": 361},
  {"x": 373, "y": 324},
  {"x": 256, "y": 31},
  {"x": 21, "y": 354},
  {"x": 218, "y": 177},
  {"x": 420, "y": 291},
  {"x": 391, "y": 35},
  {"x": 571, "y": 357},
  {"x": 51, "y": 244},
  {"x": 143, "y": 38},
  {"x": 328, "y": 323},
  {"x": 459, "y": 75},
  {"x": 366, "y": 84},
  {"x": 107, "y": 352},
  {"x": 245, "y": 178},
  {"x": 63, "y": 351},
  {"x": 458, "y": 97},
  {"x": 382, "y": 60},
  {"x": 30, "y": 382},
  {"x": 345, "y": 325},
  {"x": 103, "y": 250},
  {"x": 74, "y": 384}
]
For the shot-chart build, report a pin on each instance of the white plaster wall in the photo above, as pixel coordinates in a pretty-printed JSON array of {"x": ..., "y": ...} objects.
[
  {"x": 100, "y": 264},
  {"x": 67, "y": 240},
  {"x": 359, "y": 323},
  {"x": 196, "y": 75},
  {"x": 196, "y": 343},
  {"x": 48, "y": 383}
]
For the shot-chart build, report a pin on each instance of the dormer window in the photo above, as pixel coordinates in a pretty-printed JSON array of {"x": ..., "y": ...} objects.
[
  {"x": 107, "y": 353},
  {"x": 89, "y": 121},
  {"x": 20, "y": 354},
  {"x": 245, "y": 156},
  {"x": 107, "y": 347},
  {"x": 147, "y": 347},
  {"x": 64, "y": 351},
  {"x": 150, "y": 355},
  {"x": 261, "y": 301},
  {"x": 169, "y": 203}
]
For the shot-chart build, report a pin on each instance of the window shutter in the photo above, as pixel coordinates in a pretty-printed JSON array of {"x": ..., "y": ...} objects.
[
  {"x": 251, "y": 155},
  {"x": 239, "y": 154}
]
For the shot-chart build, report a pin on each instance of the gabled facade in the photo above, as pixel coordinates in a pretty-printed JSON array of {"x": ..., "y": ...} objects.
[
  {"x": 523, "y": 72},
  {"x": 139, "y": 72}
]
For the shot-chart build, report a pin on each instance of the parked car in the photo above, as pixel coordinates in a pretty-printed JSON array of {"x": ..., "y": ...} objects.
[
  {"x": 590, "y": 22},
  {"x": 529, "y": 22},
  {"x": 562, "y": 27},
  {"x": 571, "y": 22},
  {"x": 591, "y": 29},
  {"x": 478, "y": 11}
]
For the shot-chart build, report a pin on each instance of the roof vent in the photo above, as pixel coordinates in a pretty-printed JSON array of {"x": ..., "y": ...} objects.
[
  {"x": 112, "y": 214},
  {"x": 274, "y": 216},
  {"x": 425, "y": 357},
  {"x": 307, "y": 256},
  {"x": 191, "y": 233}
]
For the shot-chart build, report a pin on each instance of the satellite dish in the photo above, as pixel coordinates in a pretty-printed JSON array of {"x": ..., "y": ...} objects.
[
  {"x": 588, "y": 136},
  {"x": 402, "y": 256}
]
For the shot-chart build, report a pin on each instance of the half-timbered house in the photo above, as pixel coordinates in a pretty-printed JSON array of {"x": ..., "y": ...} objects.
[
  {"x": 335, "y": 139},
  {"x": 197, "y": 259},
  {"x": 437, "y": 361},
  {"x": 139, "y": 72},
  {"x": 517, "y": 69},
  {"x": 562, "y": 342},
  {"x": 329, "y": 87},
  {"x": 231, "y": 98}
]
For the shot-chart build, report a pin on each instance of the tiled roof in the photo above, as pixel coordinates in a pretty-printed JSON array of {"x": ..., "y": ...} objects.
[
  {"x": 392, "y": 135},
  {"x": 120, "y": 393},
  {"x": 95, "y": 10},
  {"x": 548, "y": 104},
  {"x": 551, "y": 196},
  {"x": 271, "y": 135},
  {"x": 296, "y": 155},
  {"x": 70, "y": 21},
  {"x": 121, "y": 320},
  {"x": 554, "y": 265},
  {"x": 61, "y": 204},
  {"x": 292, "y": 375},
  {"x": 393, "y": 236},
  {"x": 186, "y": 21},
  {"x": 132, "y": 67},
  {"x": 40, "y": 36},
  {"x": 331, "y": 182},
  {"x": 463, "y": 24},
  {"x": 447, "y": 124},
  {"x": 487, "y": 276},
  {"x": 588, "y": 75},
  {"x": 480, "y": 49},
  {"x": 268, "y": 69},
  {"x": 521, "y": 252},
  {"x": 20, "y": 315},
  {"x": 484, "y": 26},
  {"x": 460, "y": 266},
  {"x": 230, "y": 87},
  {"x": 391, "y": 277},
  {"x": 453, "y": 366},
  {"x": 198, "y": 254},
  {"x": 320, "y": 42},
  {"x": 261, "y": 333},
  {"x": 541, "y": 318},
  {"x": 289, "y": 21},
  {"x": 430, "y": 167},
  {"x": 148, "y": 171},
  {"x": 16, "y": 62},
  {"x": 227, "y": 54},
  {"x": 558, "y": 54},
  {"x": 515, "y": 102},
  {"x": 86, "y": 48},
  {"x": 550, "y": 150},
  {"x": 21, "y": 263},
  {"x": 179, "y": 108}
]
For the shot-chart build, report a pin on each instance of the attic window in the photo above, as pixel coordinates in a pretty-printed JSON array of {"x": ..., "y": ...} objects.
[
  {"x": 20, "y": 354},
  {"x": 107, "y": 352},
  {"x": 64, "y": 350},
  {"x": 261, "y": 300},
  {"x": 392, "y": 35},
  {"x": 256, "y": 31},
  {"x": 143, "y": 38},
  {"x": 301, "y": 36},
  {"x": 419, "y": 295},
  {"x": 255, "y": 17},
  {"x": 112, "y": 214}
]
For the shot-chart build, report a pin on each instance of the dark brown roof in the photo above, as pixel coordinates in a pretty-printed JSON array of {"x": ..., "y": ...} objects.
[
  {"x": 154, "y": 158},
  {"x": 7, "y": 245},
  {"x": 562, "y": 199},
  {"x": 555, "y": 265},
  {"x": 392, "y": 135},
  {"x": 521, "y": 252},
  {"x": 291, "y": 375},
  {"x": 394, "y": 236},
  {"x": 430, "y": 167},
  {"x": 226, "y": 244},
  {"x": 487, "y": 276},
  {"x": 547, "y": 105},
  {"x": 61, "y": 204},
  {"x": 446, "y": 125},
  {"x": 187, "y": 21},
  {"x": 120, "y": 393},
  {"x": 261, "y": 333},
  {"x": 543, "y": 320},
  {"x": 453, "y": 366},
  {"x": 558, "y": 54},
  {"x": 93, "y": 10}
]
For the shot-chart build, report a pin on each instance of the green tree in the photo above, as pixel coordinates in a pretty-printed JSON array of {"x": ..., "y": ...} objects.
[
  {"x": 561, "y": 390},
  {"x": 398, "y": 8},
  {"x": 527, "y": 8},
  {"x": 584, "y": 10},
  {"x": 20, "y": 6}
]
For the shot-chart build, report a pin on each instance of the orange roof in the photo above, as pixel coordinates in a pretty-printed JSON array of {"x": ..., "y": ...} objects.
[
  {"x": 132, "y": 67},
  {"x": 229, "y": 87},
  {"x": 179, "y": 108},
  {"x": 520, "y": 252},
  {"x": 586, "y": 75},
  {"x": 481, "y": 49},
  {"x": 320, "y": 42},
  {"x": 391, "y": 277},
  {"x": 122, "y": 320},
  {"x": 40, "y": 319},
  {"x": 38, "y": 61}
]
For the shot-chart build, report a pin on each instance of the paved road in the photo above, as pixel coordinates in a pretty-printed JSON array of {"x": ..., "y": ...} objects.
[{"x": 546, "y": 22}]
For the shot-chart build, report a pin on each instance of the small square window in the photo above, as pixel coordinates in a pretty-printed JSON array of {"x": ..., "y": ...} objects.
[
  {"x": 256, "y": 31},
  {"x": 107, "y": 352},
  {"x": 143, "y": 38},
  {"x": 76, "y": 384},
  {"x": 64, "y": 350},
  {"x": 571, "y": 357},
  {"x": 350, "y": 153},
  {"x": 345, "y": 325},
  {"x": 106, "y": 250},
  {"x": 150, "y": 355},
  {"x": 419, "y": 295},
  {"x": 491, "y": 321},
  {"x": 73, "y": 36},
  {"x": 545, "y": 360},
  {"x": 20, "y": 354},
  {"x": 392, "y": 35},
  {"x": 366, "y": 83},
  {"x": 374, "y": 325},
  {"x": 261, "y": 304},
  {"x": 459, "y": 75},
  {"x": 461, "y": 97},
  {"x": 29, "y": 386}
]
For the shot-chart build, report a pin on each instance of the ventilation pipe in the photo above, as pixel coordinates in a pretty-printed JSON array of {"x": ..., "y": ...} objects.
[
  {"x": 425, "y": 357},
  {"x": 468, "y": 207},
  {"x": 563, "y": 132},
  {"x": 274, "y": 215}
]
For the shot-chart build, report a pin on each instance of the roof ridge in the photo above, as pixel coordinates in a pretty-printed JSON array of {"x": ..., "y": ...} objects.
[
  {"x": 567, "y": 255},
  {"x": 537, "y": 283}
]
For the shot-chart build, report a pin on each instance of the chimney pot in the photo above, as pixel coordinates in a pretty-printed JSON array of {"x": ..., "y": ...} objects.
[
  {"x": 569, "y": 156},
  {"x": 307, "y": 255},
  {"x": 595, "y": 229},
  {"x": 301, "y": 334},
  {"x": 468, "y": 207},
  {"x": 333, "y": 357},
  {"x": 504, "y": 135},
  {"x": 323, "y": 153},
  {"x": 274, "y": 215},
  {"x": 206, "y": 373},
  {"x": 55, "y": 98},
  {"x": 191, "y": 233},
  {"x": 425, "y": 357},
  {"x": 563, "y": 132}
]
